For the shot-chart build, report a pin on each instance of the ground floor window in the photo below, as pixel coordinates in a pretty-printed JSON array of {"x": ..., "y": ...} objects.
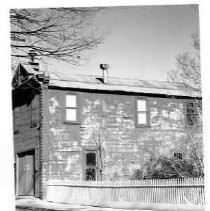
[
  {"x": 91, "y": 165},
  {"x": 178, "y": 155}
]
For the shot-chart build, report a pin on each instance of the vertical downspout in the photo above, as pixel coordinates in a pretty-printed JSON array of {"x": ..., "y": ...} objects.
[{"x": 41, "y": 143}]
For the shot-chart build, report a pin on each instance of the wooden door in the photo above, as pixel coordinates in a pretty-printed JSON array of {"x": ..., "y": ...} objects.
[{"x": 26, "y": 173}]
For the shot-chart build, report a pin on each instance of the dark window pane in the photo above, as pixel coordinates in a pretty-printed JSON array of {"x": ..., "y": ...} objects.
[
  {"x": 190, "y": 108},
  {"x": 191, "y": 119},
  {"x": 178, "y": 156},
  {"x": 91, "y": 159},
  {"x": 90, "y": 174},
  {"x": 191, "y": 113}
]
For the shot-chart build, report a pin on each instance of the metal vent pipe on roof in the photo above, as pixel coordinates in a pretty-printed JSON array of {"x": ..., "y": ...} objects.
[
  {"x": 32, "y": 54},
  {"x": 105, "y": 68}
]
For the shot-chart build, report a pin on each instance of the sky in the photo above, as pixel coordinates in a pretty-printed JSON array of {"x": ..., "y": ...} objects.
[{"x": 140, "y": 42}]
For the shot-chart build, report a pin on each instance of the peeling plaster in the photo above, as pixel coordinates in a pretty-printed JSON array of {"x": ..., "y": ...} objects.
[
  {"x": 153, "y": 113},
  {"x": 175, "y": 115},
  {"x": 54, "y": 104},
  {"x": 119, "y": 119},
  {"x": 96, "y": 103},
  {"x": 133, "y": 167},
  {"x": 115, "y": 171},
  {"x": 87, "y": 134},
  {"x": 58, "y": 156},
  {"x": 71, "y": 160},
  {"x": 165, "y": 113},
  {"x": 120, "y": 108},
  {"x": 57, "y": 131}
]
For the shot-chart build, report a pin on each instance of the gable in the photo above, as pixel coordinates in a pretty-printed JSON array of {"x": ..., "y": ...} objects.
[
  {"x": 25, "y": 78},
  {"x": 19, "y": 76}
]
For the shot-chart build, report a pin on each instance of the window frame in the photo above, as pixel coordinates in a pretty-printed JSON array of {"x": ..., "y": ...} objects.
[
  {"x": 195, "y": 114},
  {"x": 85, "y": 166},
  {"x": 66, "y": 107},
  {"x": 147, "y": 112}
]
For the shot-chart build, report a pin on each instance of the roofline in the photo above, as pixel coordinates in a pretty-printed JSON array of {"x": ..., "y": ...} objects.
[
  {"x": 114, "y": 77},
  {"x": 171, "y": 92},
  {"x": 122, "y": 92}
]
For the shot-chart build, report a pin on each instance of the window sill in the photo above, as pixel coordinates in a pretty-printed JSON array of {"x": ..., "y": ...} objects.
[
  {"x": 71, "y": 123},
  {"x": 192, "y": 127},
  {"x": 143, "y": 126}
]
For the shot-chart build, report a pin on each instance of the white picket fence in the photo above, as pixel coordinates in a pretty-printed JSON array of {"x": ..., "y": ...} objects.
[{"x": 164, "y": 191}]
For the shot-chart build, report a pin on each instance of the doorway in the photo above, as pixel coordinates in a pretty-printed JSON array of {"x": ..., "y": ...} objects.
[{"x": 26, "y": 173}]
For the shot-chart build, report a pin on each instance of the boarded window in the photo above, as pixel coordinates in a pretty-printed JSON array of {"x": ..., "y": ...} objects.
[
  {"x": 191, "y": 113},
  {"x": 142, "y": 112},
  {"x": 90, "y": 171},
  {"x": 71, "y": 108}
]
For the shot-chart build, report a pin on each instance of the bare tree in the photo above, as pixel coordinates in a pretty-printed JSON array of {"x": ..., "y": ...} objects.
[
  {"x": 58, "y": 33},
  {"x": 188, "y": 73},
  {"x": 188, "y": 76},
  {"x": 98, "y": 144}
]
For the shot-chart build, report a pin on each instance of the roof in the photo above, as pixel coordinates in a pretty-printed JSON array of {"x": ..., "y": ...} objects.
[
  {"x": 118, "y": 84},
  {"x": 91, "y": 82}
]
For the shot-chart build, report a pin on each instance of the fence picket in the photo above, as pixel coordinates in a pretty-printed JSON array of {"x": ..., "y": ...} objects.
[{"x": 173, "y": 191}]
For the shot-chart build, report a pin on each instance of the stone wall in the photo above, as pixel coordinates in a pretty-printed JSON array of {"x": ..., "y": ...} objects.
[{"x": 125, "y": 146}]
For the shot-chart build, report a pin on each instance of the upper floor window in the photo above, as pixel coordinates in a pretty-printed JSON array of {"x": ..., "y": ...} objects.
[
  {"x": 142, "y": 112},
  {"x": 191, "y": 113},
  {"x": 71, "y": 108}
]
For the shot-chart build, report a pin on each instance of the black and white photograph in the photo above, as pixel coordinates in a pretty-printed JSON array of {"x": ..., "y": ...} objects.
[{"x": 107, "y": 108}]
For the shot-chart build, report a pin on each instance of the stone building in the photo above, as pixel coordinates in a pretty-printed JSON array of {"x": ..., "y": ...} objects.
[{"x": 75, "y": 127}]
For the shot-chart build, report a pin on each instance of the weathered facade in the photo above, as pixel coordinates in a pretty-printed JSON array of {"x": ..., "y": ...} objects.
[{"x": 80, "y": 128}]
